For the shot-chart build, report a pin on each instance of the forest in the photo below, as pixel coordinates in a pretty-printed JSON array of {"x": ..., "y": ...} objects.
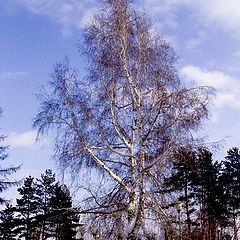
[
  {"x": 132, "y": 123},
  {"x": 43, "y": 211}
]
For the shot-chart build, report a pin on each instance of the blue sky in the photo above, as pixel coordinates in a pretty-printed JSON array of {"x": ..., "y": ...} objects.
[{"x": 35, "y": 34}]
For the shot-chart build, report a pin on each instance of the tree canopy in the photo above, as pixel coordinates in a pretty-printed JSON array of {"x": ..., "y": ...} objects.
[
  {"x": 127, "y": 118},
  {"x": 43, "y": 211}
]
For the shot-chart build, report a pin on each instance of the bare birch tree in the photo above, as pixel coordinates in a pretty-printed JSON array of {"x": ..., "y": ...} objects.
[{"x": 126, "y": 119}]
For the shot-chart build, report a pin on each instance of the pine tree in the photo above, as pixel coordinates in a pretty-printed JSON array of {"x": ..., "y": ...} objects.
[
  {"x": 45, "y": 189},
  {"x": 26, "y": 210},
  {"x": 197, "y": 184},
  {"x": 231, "y": 180},
  {"x": 7, "y": 223},
  {"x": 5, "y": 183},
  {"x": 43, "y": 211},
  {"x": 208, "y": 193},
  {"x": 64, "y": 216},
  {"x": 180, "y": 183}
]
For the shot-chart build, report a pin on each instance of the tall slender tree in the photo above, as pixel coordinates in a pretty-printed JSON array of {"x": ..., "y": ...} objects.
[
  {"x": 27, "y": 209},
  {"x": 127, "y": 118},
  {"x": 208, "y": 194},
  {"x": 45, "y": 190},
  {"x": 8, "y": 223},
  {"x": 63, "y": 216},
  {"x": 231, "y": 183},
  {"x": 181, "y": 183}
]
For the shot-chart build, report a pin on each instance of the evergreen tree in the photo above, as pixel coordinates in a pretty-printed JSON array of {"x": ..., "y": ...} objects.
[
  {"x": 7, "y": 223},
  {"x": 197, "y": 184},
  {"x": 44, "y": 211},
  {"x": 231, "y": 182},
  {"x": 64, "y": 217},
  {"x": 26, "y": 210},
  {"x": 208, "y": 193},
  {"x": 5, "y": 183},
  {"x": 180, "y": 182},
  {"x": 45, "y": 189}
]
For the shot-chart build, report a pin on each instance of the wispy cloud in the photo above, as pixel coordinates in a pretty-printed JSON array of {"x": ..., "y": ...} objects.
[
  {"x": 25, "y": 140},
  {"x": 77, "y": 13},
  {"x": 68, "y": 13},
  {"x": 224, "y": 13},
  {"x": 194, "y": 42},
  {"x": 14, "y": 75},
  {"x": 161, "y": 11},
  {"x": 227, "y": 87}
]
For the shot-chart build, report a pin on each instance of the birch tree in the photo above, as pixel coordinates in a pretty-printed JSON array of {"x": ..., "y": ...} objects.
[{"x": 126, "y": 118}]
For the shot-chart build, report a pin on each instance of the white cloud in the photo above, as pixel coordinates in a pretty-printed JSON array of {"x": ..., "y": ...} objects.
[
  {"x": 66, "y": 12},
  {"x": 25, "y": 140},
  {"x": 194, "y": 42},
  {"x": 225, "y": 13},
  {"x": 222, "y": 12},
  {"x": 214, "y": 79},
  {"x": 237, "y": 54},
  {"x": 227, "y": 88},
  {"x": 78, "y": 12}
]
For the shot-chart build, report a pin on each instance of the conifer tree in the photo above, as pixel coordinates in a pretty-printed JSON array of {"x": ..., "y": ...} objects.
[
  {"x": 197, "y": 184},
  {"x": 26, "y": 209},
  {"x": 208, "y": 193},
  {"x": 7, "y": 223},
  {"x": 45, "y": 189},
  {"x": 180, "y": 183},
  {"x": 231, "y": 180},
  {"x": 64, "y": 216},
  {"x": 5, "y": 183},
  {"x": 43, "y": 211}
]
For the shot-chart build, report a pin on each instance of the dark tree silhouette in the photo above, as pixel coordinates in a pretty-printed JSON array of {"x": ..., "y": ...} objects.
[
  {"x": 231, "y": 184},
  {"x": 64, "y": 217},
  {"x": 27, "y": 209},
  {"x": 181, "y": 183},
  {"x": 196, "y": 183},
  {"x": 45, "y": 190},
  {"x": 208, "y": 194},
  {"x": 5, "y": 172},
  {"x": 7, "y": 223},
  {"x": 43, "y": 211}
]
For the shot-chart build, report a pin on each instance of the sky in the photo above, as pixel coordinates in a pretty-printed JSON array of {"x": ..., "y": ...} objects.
[{"x": 35, "y": 34}]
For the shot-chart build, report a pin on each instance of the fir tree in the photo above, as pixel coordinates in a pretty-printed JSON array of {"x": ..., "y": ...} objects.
[
  {"x": 208, "y": 193},
  {"x": 197, "y": 184},
  {"x": 5, "y": 183},
  {"x": 64, "y": 216},
  {"x": 180, "y": 182},
  {"x": 231, "y": 183},
  {"x": 45, "y": 189},
  {"x": 7, "y": 223},
  {"x": 26, "y": 210}
]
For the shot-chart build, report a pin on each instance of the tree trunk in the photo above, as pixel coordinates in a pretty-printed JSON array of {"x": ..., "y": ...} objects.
[
  {"x": 235, "y": 228},
  {"x": 187, "y": 211}
]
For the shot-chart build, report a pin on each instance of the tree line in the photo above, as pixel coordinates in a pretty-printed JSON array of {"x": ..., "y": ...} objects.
[
  {"x": 43, "y": 211},
  {"x": 201, "y": 198},
  {"x": 204, "y": 200}
]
